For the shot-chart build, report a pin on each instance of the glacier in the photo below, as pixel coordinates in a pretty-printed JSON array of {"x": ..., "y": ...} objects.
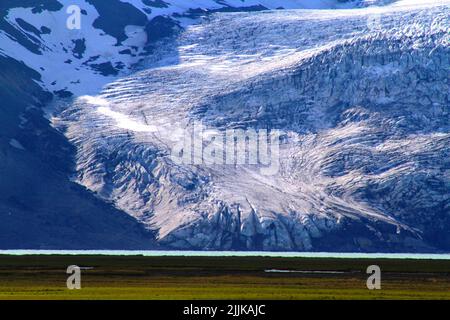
[
  {"x": 359, "y": 90},
  {"x": 362, "y": 96}
]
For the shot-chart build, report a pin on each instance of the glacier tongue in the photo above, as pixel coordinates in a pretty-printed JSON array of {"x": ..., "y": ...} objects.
[{"x": 365, "y": 116}]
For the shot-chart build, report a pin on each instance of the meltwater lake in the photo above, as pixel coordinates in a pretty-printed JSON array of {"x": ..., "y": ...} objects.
[{"x": 174, "y": 253}]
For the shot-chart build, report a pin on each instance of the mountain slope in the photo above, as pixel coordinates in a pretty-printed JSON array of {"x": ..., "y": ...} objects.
[
  {"x": 361, "y": 97},
  {"x": 40, "y": 207}
]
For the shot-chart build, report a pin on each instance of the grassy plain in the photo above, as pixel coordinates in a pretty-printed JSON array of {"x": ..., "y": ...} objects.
[{"x": 190, "y": 278}]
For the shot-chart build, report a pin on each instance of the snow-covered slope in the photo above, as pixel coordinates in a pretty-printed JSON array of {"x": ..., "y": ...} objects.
[
  {"x": 113, "y": 37},
  {"x": 359, "y": 89},
  {"x": 363, "y": 106}
]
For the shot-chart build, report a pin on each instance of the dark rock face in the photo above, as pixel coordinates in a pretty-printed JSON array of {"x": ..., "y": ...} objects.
[
  {"x": 36, "y": 5},
  {"x": 115, "y": 16}
]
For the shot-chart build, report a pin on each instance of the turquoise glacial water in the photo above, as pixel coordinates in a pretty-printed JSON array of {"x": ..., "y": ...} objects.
[{"x": 160, "y": 253}]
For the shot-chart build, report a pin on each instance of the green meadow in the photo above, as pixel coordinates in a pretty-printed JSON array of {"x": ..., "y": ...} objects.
[{"x": 138, "y": 277}]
